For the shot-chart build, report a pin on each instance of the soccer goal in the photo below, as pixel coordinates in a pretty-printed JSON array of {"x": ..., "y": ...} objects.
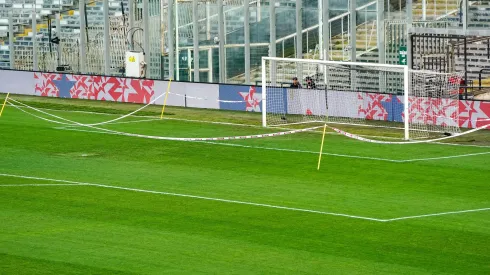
[{"x": 296, "y": 91}]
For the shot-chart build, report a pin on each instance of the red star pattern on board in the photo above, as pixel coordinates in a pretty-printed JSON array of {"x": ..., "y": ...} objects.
[
  {"x": 473, "y": 114},
  {"x": 371, "y": 107},
  {"x": 252, "y": 100},
  {"x": 98, "y": 87}
]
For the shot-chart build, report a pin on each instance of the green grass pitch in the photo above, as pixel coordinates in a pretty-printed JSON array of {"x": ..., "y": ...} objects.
[{"x": 78, "y": 200}]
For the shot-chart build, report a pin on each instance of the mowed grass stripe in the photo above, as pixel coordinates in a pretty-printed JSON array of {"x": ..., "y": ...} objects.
[{"x": 142, "y": 233}]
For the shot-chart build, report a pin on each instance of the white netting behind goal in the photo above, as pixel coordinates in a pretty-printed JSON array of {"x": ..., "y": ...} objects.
[{"x": 305, "y": 91}]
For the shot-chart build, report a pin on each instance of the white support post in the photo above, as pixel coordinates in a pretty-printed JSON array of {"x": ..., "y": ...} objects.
[
  {"x": 353, "y": 30},
  {"x": 146, "y": 35},
  {"x": 34, "y": 40},
  {"x": 107, "y": 42},
  {"x": 380, "y": 28},
  {"x": 264, "y": 94},
  {"x": 177, "y": 41},
  {"x": 424, "y": 10},
  {"x": 299, "y": 29},
  {"x": 170, "y": 39},
  {"x": 58, "y": 33},
  {"x": 406, "y": 107},
  {"x": 11, "y": 41},
  {"x": 246, "y": 29},
  {"x": 326, "y": 28},
  {"x": 221, "y": 37},
  {"x": 83, "y": 38},
  {"x": 195, "y": 32}
]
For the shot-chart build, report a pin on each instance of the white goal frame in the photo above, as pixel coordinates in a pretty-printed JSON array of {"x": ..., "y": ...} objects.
[{"x": 406, "y": 82}]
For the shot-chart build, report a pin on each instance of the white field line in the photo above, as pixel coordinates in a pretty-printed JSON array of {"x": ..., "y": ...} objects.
[
  {"x": 250, "y": 146},
  {"x": 438, "y": 214},
  {"x": 301, "y": 151},
  {"x": 446, "y": 157},
  {"x": 244, "y": 202},
  {"x": 111, "y": 123},
  {"x": 47, "y": 184},
  {"x": 198, "y": 197}
]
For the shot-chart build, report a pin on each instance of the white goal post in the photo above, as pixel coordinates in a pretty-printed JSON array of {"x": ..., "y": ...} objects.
[{"x": 382, "y": 95}]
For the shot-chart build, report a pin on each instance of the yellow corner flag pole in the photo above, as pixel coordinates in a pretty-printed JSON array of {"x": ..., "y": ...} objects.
[
  {"x": 166, "y": 96},
  {"x": 321, "y": 147},
  {"x": 4, "y": 103}
]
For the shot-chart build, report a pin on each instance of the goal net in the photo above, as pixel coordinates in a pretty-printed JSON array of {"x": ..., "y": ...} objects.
[{"x": 298, "y": 91}]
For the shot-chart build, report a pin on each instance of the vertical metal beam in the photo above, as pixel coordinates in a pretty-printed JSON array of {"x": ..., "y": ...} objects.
[
  {"x": 299, "y": 29},
  {"x": 170, "y": 39},
  {"x": 246, "y": 28},
  {"x": 58, "y": 33},
  {"x": 146, "y": 35},
  {"x": 424, "y": 10},
  {"x": 83, "y": 38},
  {"x": 11, "y": 41},
  {"x": 353, "y": 30},
  {"x": 326, "y": 28},
  {"x": 195, "y": 38},
  {"x": 221, "y": 37},
  {"x": 34, "y": 39},
  {"x": 107, "y": 43},
  {"x": 380, "y": 28}
]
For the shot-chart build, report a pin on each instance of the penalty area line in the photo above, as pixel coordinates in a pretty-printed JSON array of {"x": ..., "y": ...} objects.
[
  {"x": 46, "y": 184},
  {"x": 238, "y": 202},
  {"x": 198, "y": 197}
]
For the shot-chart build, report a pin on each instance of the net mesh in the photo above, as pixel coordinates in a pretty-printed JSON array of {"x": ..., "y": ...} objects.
[{"x": 303, "y": 91}]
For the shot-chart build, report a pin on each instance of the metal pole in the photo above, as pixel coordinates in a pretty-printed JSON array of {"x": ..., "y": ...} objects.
[
  {"x": 83, "y": 38},
  {"x": 107, "y": 43},
  {"x": 424, "y": 10},
  {"x": 381, "y": 31},
  {"x": 11, "y": 41},
  {"x": 146, "y": 35},
  {"x": 195, "y": 35},
  {"x": 299, "y": 29},
  {"x": 34, "y": 39},
  {"x": 246, "y": 28},
  {"x": 353, "y": 30},
  {"x": 58, "y": 33},
  {"x": 221, "y": 37},
  {"x": 170, "y": 39},
  {"x": 326, "y": 28}
]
